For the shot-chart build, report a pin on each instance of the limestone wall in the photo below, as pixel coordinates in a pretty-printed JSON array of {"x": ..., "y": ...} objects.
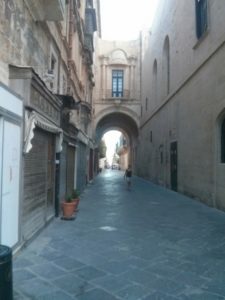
[
  {"x": 189, "y": 113},
  {"x": 117, "y": 55}
]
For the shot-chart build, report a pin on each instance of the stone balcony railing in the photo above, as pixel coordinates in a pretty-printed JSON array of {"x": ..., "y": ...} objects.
[{"x": 109, "y": 95}]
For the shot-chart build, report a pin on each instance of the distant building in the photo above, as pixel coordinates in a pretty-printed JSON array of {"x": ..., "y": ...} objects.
[
  {"x": 117, "y": 90},
  {"x": 122, "y": 152}
]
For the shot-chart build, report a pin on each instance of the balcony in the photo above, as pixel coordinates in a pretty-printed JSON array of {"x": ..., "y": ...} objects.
[
  {"x": 51, "y": 10},
  {"x": 108, "y": 95}
]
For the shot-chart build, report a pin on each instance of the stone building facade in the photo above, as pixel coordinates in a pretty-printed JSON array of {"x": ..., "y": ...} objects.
[
  {"x": 117, "y": 90},
  {"x": 182, "y": 129},
  {"x": 46, "y": 58}
]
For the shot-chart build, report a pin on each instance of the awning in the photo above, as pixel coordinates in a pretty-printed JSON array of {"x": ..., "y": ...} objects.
[{"x": 33, "y": 119}]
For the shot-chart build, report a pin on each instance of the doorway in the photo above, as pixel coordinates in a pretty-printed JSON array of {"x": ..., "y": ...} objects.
[{"x": 173, "y": 165}]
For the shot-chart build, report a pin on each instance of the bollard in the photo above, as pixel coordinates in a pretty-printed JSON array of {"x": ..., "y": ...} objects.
[{"x": 6, "y": 288}]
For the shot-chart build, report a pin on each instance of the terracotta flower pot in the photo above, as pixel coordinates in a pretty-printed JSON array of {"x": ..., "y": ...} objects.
[
  {"x": 76, "y": 203},
  {"x": 68, "y": 209}
]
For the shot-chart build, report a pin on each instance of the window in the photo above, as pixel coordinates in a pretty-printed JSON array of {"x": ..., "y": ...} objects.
[
  {"x": 150, "y": 136},
  {"x": 223, "y": 142},
  {"x": 52, "y": 64},
  {"x": 201, "y": 17},
  {"x": 161, "y": 154},
  {"x": 161, "y": 157},
  {"x": 63, "y": 85},
  {"x": 154, "y": 81},
  {"x": 166, "y": 66},
  {"x": 86, "y": 128},
  {"x": 146, "y": 104},
  {"x": 52, "y": 71},
  {"x": 117, "y": 83}
]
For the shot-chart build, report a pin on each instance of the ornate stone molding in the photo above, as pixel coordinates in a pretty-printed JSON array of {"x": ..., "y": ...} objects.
[{"x": 35, "y": 93}]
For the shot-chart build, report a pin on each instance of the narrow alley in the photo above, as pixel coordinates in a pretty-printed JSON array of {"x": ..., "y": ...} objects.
[{"x": 148, "y": 243}]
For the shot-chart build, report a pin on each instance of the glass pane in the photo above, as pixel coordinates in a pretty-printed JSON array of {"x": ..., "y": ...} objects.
[{"x": 117, "y": 83}]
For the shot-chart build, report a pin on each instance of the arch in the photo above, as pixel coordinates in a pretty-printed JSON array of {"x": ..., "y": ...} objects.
[
  {"x": 166, "y": 66},
  {"x": 110, "y": 110},
  {"x": 118, "y": 121},
  {"x": 113, "y": 128},
  {"x": 125, "y": 150}
]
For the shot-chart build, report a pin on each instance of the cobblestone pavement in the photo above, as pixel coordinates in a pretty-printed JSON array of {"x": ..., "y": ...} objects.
[{"x": 148, "y": 243}]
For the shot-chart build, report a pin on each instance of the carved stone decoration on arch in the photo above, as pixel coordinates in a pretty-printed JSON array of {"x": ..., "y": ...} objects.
[{"x": 118, "y": 57}]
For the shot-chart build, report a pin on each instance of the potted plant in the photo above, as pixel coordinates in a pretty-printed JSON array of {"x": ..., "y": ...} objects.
[
  {"x": 68, "y": 207},
  {"x": 75, "y": 197}
]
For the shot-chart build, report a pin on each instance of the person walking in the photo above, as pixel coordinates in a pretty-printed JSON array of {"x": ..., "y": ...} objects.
[{"x": 127, "y": 176}]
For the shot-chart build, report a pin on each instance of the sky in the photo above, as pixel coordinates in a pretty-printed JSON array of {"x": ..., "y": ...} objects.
[
  {"x": 111, "y": 138},
  {"x": 123, "y": 19}
]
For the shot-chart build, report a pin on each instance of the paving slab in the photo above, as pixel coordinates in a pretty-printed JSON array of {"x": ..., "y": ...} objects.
[{"x": 147, "y": 243}]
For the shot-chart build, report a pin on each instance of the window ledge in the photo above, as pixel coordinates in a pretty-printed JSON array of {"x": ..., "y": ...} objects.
[{"x": 201, "y": 39}]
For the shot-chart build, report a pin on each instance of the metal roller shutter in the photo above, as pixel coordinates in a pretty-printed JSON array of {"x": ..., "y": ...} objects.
[
  {"x": 37, "y": 186},
  {"x": 70, "y": 169}
]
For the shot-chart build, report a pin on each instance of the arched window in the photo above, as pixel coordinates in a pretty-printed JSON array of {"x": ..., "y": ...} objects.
[
  {"x": 223, "y": 141},
  {"x": 166, "y": 66},
  {"x": 146, "y": 103},
  {"x": 154, "y": 82}
]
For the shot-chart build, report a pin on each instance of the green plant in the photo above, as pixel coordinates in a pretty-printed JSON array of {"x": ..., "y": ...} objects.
[
  {"x": 75, "y": 194},
  {"x": 68, "y": 198}
]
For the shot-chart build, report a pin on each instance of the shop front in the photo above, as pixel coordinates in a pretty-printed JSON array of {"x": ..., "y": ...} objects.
[{"x": 42, "y": 141}]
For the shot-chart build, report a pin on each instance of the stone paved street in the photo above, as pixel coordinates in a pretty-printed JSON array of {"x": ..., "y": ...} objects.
[{"x": 148, "y": 243}]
